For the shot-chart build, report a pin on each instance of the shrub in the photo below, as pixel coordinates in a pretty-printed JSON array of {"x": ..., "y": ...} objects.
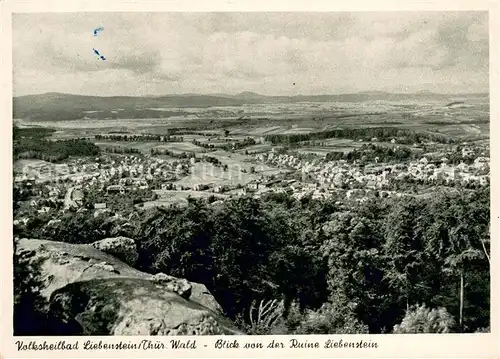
[
  {"x": 420, "y": 319},
  {"x": 331, "y": 318},
  {"x": 264, "y": 319},
  {"x": 483, "y": 330}
]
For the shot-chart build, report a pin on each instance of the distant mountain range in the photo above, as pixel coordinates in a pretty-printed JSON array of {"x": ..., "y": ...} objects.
[{"x": 59, "y": 106}]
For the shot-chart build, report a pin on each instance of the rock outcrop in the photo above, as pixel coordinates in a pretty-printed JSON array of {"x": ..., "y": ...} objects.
[
  {"x": 179, "y": 286},
  {"x": 93, "y": 293},
  {"x": 122, "y": 248}
]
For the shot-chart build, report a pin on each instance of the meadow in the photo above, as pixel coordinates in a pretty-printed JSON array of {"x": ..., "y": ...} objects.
[
  {"x": 145, "y": 147},
  {"x": 166, "y": 198},
  {"x": 209, "y": 174}
]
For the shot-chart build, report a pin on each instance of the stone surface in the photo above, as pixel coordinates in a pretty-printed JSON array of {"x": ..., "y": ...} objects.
[
  {"x": 179, "y": 286},
  {"x": 66, "y": 263},
  {"x": 88, "y": 278},
  {"x": 120, "y": 247},
  {"x": 128, "y": 306}
]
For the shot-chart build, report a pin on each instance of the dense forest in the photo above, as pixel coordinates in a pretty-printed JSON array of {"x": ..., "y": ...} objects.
[
  {"x": 388, "y": 265},
  {"x": 170, "y": 153},
  {"x": 403, "y": 136},
  {"x": 122, "y": 150},
  {"x": 230, "y": 146},
  {"x": 32, "y": 143},
  {"x": 31, "y": 132},
  {"x": 372, "y": 153}
]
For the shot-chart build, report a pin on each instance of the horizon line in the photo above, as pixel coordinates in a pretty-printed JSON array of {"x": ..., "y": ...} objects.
[{"x": 222, "y": 94}]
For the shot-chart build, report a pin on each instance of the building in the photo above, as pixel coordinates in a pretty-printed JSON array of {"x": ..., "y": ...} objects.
[
  {"x": 200, "y": 187},
  {"x": 44, "y": 209},
  {"x": 219, "y": 189},
  {"x": 271, "y": 182},
  {"x": 77, "y": 197},
  {"x": 99, "y": 205},
  {"x": 115, "y": 189},
  {"x": 253, "y": 185},
  {"x": 481, "y": 163}
]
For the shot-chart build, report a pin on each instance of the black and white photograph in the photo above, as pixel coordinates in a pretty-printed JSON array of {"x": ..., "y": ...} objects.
[{"x": 250, "y": 173}]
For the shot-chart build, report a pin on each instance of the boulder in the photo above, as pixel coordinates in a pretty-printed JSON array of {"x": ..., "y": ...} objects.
[
  {"x": 92, "y": 282},
  {"x": 65, "y": 263},
  {"x": 128, "y": 306},
  {"x": 179, "y": 286},
  {"x": 120, "y": 247}
]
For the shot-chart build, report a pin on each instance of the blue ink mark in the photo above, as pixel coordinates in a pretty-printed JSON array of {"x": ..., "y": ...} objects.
[
  {"x": 97, "y": 30},
  {"x": 98, "y": 54}
]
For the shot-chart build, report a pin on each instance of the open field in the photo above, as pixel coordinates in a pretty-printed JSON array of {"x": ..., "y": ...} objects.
[
  {"x": 19, "y": 165},
  {"x": 261, "y": 147},
  {"x": 208, "y": 174},
  {"x": 466, "y": 130},
  {"x": 112, "y": 124},
  {"x": 145, "y": 147},
  {"x": 142, "y": 146},
  {"x": 469, "y": 120},
  {"x": 176, "y": 197},
  {"x": 242, "y": 161},
  {"x": 44, "y": 171},
  {"x": 40, "y": 168},
  {"x": 323, "y": 147},
  {"x": 179, "y": 147},
  {"x": 261, "y": 131},
  {"x": 339, "y": 142}
]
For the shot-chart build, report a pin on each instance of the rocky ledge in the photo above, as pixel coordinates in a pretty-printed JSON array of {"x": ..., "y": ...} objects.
[{"x": 94, "y": 293}]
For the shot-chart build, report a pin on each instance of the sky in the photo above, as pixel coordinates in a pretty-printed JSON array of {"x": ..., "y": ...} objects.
[{"x": 268, "y": 53}]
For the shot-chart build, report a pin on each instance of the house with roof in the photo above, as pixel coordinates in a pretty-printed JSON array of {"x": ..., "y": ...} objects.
[
  {"x": 115, "y": 189},
  {"x": 100, "y": 205}
]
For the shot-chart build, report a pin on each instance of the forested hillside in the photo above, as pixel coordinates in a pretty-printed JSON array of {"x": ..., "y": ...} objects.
[
  {"x": 32, "y": 143},
  {"x": 330, "y": 267}
]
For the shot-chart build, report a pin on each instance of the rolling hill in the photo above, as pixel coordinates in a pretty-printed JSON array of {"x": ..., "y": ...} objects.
[{"x": 58, "y": 106}]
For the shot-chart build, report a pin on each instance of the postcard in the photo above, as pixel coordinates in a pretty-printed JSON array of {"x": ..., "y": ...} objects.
[{"x": 249, "y": 179}]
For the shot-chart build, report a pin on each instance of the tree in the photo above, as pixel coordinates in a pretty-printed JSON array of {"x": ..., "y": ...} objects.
[
  {"x": 404, "y": 251},
  {"x": 240, "y": 247},
  {"x": 176, "y": 241},
  {"x": 464, "y": 249},
  {"x": 337, "y": 267},
  {"x": 354, "y": 258},
  {"x": 29, "y": 305},
  {"x": 455, "y": 239}
]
